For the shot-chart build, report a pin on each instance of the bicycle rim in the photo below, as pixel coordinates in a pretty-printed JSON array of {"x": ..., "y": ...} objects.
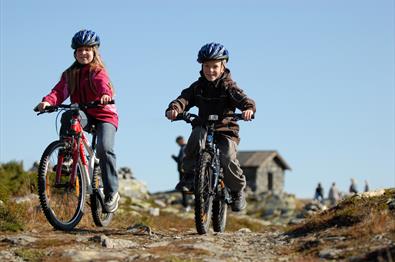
[
  {"x": 203, "y": 198},
  {"x": 61, "y": 201}
]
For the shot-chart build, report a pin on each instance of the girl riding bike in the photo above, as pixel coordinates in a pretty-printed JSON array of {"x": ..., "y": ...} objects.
[
  {"x": 215, "y": 93},
  {"x": 86, "y": 80}
]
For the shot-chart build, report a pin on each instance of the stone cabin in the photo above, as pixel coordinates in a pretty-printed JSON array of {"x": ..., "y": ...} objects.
[{"x": 264, "y": 170}]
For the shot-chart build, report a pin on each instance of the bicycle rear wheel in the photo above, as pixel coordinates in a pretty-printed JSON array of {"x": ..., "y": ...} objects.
[
  {"x": 61, "y": 201},
  {"x": 100, "y": 218},
  {"x": 203, "y": 194}
]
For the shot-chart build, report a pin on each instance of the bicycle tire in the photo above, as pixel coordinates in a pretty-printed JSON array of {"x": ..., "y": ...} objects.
[
  {"x": 100, "y": 218},
  {"x": 62, "y": 204},
  {"x": 203, "y": 198},
  {"x": 219, "y": 215}
]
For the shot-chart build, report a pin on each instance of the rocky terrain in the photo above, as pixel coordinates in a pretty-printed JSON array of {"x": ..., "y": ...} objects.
[{"x": 155, "y": 227}]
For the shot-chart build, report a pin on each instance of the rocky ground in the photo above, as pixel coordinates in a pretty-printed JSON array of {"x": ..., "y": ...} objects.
[
  {"x": 121, "y": 245},
  {"x": 156, "y": 228}
]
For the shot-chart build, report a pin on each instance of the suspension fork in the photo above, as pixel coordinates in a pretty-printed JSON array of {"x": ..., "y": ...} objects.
[{"x": 76, "y": 154}]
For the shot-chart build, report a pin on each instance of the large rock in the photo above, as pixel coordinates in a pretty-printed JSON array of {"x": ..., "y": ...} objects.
[{"x": 133, "y": 188}]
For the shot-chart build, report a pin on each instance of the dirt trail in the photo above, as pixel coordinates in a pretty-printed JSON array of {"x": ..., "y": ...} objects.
[{"x": 140, "y": 245}]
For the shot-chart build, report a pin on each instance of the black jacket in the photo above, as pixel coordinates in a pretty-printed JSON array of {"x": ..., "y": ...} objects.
[{"x": 220, "y": 97}]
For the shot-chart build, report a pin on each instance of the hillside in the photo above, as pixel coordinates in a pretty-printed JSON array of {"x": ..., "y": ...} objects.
[{"x": 155, "y": 228}]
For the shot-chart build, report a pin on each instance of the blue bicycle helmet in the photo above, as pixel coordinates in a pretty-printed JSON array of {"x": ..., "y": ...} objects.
[
  {"x": 85, "y": 38},
  {"x": 212, "y": 51}
]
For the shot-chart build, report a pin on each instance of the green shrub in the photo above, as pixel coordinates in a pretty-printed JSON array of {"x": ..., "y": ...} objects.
[{"x": 15, "y": 181}]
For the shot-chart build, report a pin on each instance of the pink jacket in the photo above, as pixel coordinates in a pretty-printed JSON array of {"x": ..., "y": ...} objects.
[{"x": 85, "y": 93}]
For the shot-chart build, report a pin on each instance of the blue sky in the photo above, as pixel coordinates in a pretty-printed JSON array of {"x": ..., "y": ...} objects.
[{"x": 321, "y": 73}]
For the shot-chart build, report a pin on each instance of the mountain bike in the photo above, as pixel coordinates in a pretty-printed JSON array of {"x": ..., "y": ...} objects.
[
  {"x": 69, "y": 171},
  {"x": 212, "y": 197}
]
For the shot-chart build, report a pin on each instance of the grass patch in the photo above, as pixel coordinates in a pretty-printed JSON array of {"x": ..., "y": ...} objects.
[
  {"x": 30, "y": 254},
  {"x": 349, "y": 212},
  {"x": 13, "y": 217},
  {"x": 361, "y": 226}
]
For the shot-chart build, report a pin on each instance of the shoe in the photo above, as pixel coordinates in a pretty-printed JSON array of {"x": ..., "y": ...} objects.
[
  {"x": 238, "y": 201},
  {"x": 111, "y": 203},
  {"x": 186, "y": 184}
]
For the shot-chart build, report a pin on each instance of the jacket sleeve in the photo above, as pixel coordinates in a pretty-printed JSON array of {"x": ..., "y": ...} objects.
[
  {"x": 239, "y": 99},
  {"x": 102, "y": 83},
  {"x": 183, "y": 102},
  {"x": 59, "y": 93}
]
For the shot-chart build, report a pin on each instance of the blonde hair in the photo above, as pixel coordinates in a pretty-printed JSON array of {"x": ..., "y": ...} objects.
[{"x": 72, "y": 73}]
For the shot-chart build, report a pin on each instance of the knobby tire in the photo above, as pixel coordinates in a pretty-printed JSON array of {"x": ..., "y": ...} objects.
[
  {"x": 203, "y": 198},
  {"x": 62, "y": 205}
]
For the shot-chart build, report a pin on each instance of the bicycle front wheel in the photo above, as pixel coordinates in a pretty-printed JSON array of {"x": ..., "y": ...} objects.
[
  {"x": 100, "y": 218},
  {"x": 62, "y": 201},
  {"x": 219, "y": 215},
  {"x": 203, "y": 194}
]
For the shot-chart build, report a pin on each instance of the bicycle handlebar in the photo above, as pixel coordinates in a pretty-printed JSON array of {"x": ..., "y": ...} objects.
[
  {"x": 93, "y": 104},
  {"x": 189, "y": 117}
]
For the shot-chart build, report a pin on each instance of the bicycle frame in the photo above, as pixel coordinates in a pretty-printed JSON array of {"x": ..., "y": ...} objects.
[
  {"x": 80, "y": 144},
  {"x": 212, "y": 149}
]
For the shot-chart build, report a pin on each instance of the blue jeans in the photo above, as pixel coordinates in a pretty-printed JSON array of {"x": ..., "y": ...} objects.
[{"x": 105, "y": 133}]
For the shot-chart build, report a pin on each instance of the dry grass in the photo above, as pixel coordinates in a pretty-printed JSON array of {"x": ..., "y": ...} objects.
[{"x": 365, "y": 225}]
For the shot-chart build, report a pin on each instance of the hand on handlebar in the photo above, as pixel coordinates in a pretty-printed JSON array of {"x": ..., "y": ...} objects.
[
  {"x": 171, "y": 114},
  {"x": 105, "y": 99},
  {"x": 247, "y": 115},
  {"x": 41, "y": 106}
]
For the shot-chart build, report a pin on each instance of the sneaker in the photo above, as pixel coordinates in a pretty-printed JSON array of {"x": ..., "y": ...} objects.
[
  {"x": 238, "y": 201},
  {"x": 186, "y": 184},
  {"x": 111, "y": 203}
]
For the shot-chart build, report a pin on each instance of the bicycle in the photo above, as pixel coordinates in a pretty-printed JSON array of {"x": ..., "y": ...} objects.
[
  {"x": 212, "y": 197},
  {"x": 68, "y": 171}
]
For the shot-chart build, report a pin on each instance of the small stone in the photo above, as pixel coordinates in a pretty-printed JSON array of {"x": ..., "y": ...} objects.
[
  {"x": 160, "y": 203},
  {"x": 20, "y": 240},
  {"x": 154, "y": 211},
  {"x": 139, "y": 229},
  {"x": 244, "y": 230},
  {"x": 329, "y": 253}
]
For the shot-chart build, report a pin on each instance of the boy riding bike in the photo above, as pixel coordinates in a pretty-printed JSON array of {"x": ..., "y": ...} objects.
[
  {"x": 86, "y": 80},
  {"x": 214, "y": 93}
]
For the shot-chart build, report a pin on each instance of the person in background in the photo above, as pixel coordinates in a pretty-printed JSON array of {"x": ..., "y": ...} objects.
[
  {"x": 333, "y": 194},
  {"x": 366, "y": 186},
  {"x": 353, "y": 187},
  {"x": 319, "y": 193},
  {"x": 181, "y": 142}
]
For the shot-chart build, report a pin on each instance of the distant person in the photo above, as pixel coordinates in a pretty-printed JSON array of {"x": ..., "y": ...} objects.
[
  {"x": 366, "y": 186},
  {"x": 87, "y": 80},
  {"x": 215, "y": 92},
  {"x": 319, "y": 193},
  {"x": 333, "y": 194},
  {"x": 181, "y": 142},
  {"x": 353, "y": 187}
]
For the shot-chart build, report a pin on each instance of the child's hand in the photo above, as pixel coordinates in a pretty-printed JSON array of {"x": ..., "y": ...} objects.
[
  {"x": 247, "y": 114},
  {"x": 171, "y": 114},
  {"x": 105, "y": 99},
  {"x": 41, "y": 106}
]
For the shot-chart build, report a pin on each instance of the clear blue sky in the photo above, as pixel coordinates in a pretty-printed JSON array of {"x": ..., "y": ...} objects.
[{"x": 321, "y": 73}]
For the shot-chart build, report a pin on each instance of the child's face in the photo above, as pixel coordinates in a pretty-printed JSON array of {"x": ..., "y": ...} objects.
[
  {"x": 213, "y": 69},
  {"x": 84, "y": 55}
]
